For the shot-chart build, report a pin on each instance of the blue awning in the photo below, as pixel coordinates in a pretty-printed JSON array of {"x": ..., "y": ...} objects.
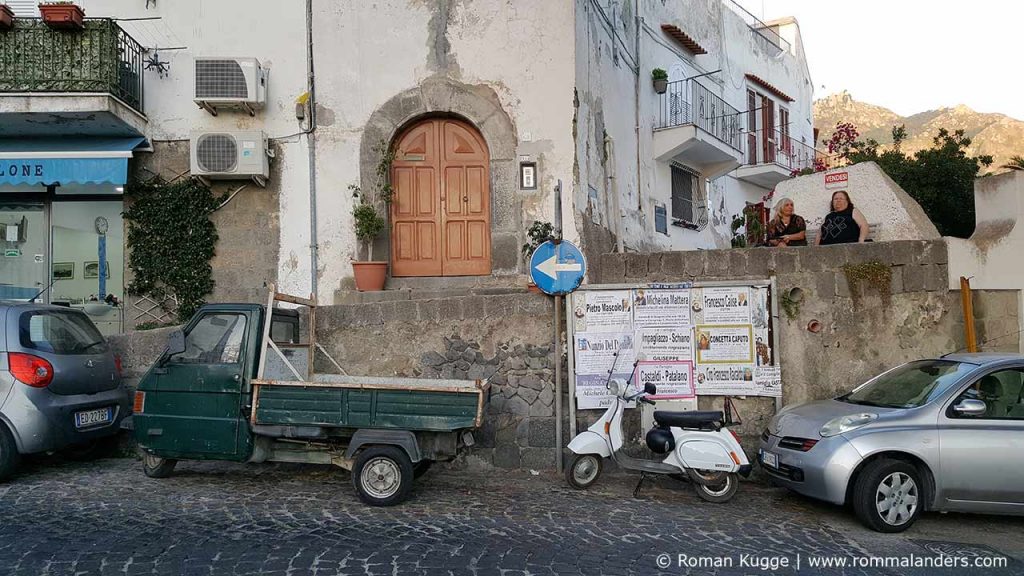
[{"x": 56, "y": 161}]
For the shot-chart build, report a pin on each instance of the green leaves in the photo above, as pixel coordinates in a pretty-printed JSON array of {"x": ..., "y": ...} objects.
[{"x": 171, "y": 241}]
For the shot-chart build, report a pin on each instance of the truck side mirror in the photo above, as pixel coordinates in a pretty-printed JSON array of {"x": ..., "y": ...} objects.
[{"x": 175, "y": 342}]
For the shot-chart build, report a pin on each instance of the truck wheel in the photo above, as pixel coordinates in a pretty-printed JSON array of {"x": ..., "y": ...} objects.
[
  {"x": 157, "y": 467},
  {"x": 420, "y": 468},
  {"x": 888, "y": 495},
  {"x": 382, "y": 475},
  {"x": 583, "y": 470},
  {"x": 9, "y": 456}
]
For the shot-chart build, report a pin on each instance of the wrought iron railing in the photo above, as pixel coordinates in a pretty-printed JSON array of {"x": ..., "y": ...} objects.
[
  {"x": 764, "y": 33},
  {"x": 690, "y": 102},
  {"x": 100, "y": 58},
  {"x": 783, "y": 150}
]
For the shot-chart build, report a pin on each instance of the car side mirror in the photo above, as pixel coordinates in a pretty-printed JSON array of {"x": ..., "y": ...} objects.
[
  {"x": 970, "y": 407},
  {"x": 175, "y": 342},
  {"x": 650, "y": 388}
]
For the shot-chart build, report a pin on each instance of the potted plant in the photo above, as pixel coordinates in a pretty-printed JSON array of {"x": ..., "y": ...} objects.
[
  {"x": 660, "y": 78},
  {"x": 369, "y": 274},
  {"x": 538, "y": 233},
  {"x": 6, "y": 17},
  {"x": 62, "y": 15}
]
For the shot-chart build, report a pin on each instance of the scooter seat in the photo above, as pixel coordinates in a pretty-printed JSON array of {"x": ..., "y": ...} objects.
[{"x": 692, "y": 419}]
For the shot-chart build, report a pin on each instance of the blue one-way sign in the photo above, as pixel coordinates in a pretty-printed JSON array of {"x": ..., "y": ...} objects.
[{"x": 557, "y": 267}]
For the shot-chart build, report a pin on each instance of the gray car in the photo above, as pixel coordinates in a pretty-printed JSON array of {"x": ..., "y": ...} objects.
[
  {"x": 60, "y": 384},
  {"x": 943, "y": 434}
]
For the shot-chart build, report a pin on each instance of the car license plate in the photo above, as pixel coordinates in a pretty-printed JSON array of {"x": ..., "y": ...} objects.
[
  {"x": 769, "y": 459},
  {"x": 92, "y": 417}
]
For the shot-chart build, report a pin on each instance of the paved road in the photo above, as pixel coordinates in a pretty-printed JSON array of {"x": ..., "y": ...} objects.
[{"x": 213, "y": 518}]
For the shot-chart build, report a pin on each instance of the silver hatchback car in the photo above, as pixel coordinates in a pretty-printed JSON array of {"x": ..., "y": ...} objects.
[
  {"x": 944, "y": 434},
  {"x": 60, "y": 384}
]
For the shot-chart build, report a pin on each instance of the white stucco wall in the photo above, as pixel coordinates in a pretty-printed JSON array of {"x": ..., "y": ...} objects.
[
  {"x": 878, "y": 197},
  {"x": 367, "y": 55},
  {"x": 607, "y": 102}
]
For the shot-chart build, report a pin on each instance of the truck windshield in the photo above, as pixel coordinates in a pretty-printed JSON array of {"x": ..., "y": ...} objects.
[{"x": 910, "y": 385}]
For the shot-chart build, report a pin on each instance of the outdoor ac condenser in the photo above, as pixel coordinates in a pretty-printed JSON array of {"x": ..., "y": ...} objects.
[
  {"x": 230, "y": 82},
  {"x": 230, "y": 155}
]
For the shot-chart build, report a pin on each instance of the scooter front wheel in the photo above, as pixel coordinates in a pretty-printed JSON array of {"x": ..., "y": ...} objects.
[
  {"x": 583, "y": 470},
  {"x": 718, "y": 487}
]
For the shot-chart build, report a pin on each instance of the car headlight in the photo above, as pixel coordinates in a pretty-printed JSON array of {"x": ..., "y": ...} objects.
[{"x": 843, "y": 424}]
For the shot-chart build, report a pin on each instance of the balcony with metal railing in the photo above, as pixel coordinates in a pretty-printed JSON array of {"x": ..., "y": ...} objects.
[
  {"x": 696, "y": 127},
  {"x": 98, "y": 69},
  {"x": 774, "y": 156},
  {"x": 764, "y": 35}
]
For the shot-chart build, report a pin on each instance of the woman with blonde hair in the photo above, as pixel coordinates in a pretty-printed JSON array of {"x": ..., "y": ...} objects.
[{"x": 786, "y": 228}]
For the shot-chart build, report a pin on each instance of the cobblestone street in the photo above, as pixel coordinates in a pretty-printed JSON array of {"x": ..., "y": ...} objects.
[{"x": 213, "y": 518}]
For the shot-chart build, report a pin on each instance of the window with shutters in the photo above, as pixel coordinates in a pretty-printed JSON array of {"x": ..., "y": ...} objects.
[
  {"x": 24, "y": 8},
  {"x": 687, "y": 201}
]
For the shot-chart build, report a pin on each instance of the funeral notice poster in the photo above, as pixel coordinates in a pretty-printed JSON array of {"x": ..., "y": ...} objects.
[
  {"x": 726, "y": 305},
  {"x": 596, "y": 353},
  {"x": 661, "y": 308},
  {"x": 768, "y": 380},
  {"x": 603, "y": 311},
  {"x": 662, "y": 344},
  {"x": 726, "y": 380},
  {"x": 725, "y": 344},
  {"x": 672, "y": 379}
]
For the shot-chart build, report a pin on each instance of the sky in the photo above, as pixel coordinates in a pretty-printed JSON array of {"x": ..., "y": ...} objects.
[{"x": 912, "y": 55}]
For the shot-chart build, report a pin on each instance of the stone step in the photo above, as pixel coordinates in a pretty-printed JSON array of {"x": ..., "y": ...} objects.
[{"x": 356, "y": 297}]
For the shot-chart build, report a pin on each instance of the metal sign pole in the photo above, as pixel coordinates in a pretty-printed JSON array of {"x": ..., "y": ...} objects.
[{"x": 558, "y": 383}]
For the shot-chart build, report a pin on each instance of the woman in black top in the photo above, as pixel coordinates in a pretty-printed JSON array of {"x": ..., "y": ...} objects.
[
  {"x": 786, "y": 228},
  {"x": 844, "y": 223}
]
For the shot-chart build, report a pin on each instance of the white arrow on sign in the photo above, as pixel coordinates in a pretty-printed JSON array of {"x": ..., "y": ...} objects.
[{"x": 551, "y": 267}]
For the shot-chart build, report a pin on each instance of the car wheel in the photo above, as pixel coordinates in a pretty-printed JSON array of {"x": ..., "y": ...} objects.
[
  {"x": 382, "y": 475},
  {"x": 583, "y": 470},
  {"x": 157, "y": 467},
  {"x": 9, "y": 456},
  {"x": 420, "y": 468},
  {"x": 888, "y": 496},
  {"x": 94, "y": 450},
  {"x": 717, "y": 487}
]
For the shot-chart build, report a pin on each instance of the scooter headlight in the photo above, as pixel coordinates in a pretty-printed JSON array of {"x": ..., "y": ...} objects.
[{"x": 843, "y": 424}]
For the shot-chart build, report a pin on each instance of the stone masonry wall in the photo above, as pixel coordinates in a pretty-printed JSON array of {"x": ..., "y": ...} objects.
[{"x": 863, "y": 330}]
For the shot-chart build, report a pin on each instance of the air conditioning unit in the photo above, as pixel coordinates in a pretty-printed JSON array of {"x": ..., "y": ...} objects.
[
  {"x": 231, "y": 155},
  {"x": 230, "y": 82}
]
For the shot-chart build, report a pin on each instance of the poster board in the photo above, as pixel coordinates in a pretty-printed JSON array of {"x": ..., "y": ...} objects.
[{"x": 687, "y": 339}]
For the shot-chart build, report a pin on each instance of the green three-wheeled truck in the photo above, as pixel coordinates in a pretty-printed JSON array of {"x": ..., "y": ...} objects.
[{"x": 233, "y": 386}]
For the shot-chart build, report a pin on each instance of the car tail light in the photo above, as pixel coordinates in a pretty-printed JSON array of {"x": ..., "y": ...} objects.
[
  {"x": 140, "y": 402},
  {"x": 117, "y": 364},
  {"x": 31, "y": 370}
]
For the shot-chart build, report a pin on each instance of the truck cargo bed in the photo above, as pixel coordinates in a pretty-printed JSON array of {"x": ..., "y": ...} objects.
[{"x": 370, "y": 402}]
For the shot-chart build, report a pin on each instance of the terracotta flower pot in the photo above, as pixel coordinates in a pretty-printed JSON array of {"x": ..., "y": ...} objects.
[
  {"x": 370, "y": 276},
  {"x": 6, "y": 17},
  {"x": 533, "y": 288},
  {"x": 660, "y": 85},
  {"x": 62, "y": 16}
]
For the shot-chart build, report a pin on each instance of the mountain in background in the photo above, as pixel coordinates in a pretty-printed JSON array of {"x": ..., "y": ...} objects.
[{"x": 995, "y": 134}]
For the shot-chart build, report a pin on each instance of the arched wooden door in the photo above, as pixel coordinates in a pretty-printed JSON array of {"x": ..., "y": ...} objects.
[{"x": 441, "y": 207}]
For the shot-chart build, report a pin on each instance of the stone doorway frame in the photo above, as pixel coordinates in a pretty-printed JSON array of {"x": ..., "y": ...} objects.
[{"x": 480, "y": 106}]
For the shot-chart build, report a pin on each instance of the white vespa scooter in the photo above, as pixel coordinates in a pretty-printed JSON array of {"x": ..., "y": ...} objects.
[{"x": 697, "y": 445}]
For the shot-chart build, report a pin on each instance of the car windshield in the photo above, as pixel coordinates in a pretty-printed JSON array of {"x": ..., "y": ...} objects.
[
  {"x": 910, "y": 385},
  {"x": 60, "y": 332}
]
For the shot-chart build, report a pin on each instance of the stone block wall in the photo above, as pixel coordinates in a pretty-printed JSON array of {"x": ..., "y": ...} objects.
[
  {"x": 865, "y": 326},
  {"x": 506, "y": 338}
]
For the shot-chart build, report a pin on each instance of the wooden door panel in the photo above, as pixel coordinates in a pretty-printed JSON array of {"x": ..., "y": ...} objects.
[{"x": 441, "y": 212}]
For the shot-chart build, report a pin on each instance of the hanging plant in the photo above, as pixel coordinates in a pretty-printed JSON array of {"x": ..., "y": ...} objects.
[{"x": 171, "y": 240}]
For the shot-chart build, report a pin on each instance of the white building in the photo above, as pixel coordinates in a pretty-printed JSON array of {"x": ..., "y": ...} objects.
[{"x": 488, "y": 105}]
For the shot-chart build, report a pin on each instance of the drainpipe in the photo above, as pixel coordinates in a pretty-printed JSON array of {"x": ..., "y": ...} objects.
[
  {"x": 311, "y": 144},
  {"x": 637, "y": 23}
]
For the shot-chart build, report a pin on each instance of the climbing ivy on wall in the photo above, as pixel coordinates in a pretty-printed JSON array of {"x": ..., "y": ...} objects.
[{"x": 171, "y": 240}]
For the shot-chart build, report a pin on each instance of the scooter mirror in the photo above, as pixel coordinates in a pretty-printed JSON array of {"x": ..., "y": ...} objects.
[
  {"x": 650, "y": 388},
  {"x": 615, "y": 387}
]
